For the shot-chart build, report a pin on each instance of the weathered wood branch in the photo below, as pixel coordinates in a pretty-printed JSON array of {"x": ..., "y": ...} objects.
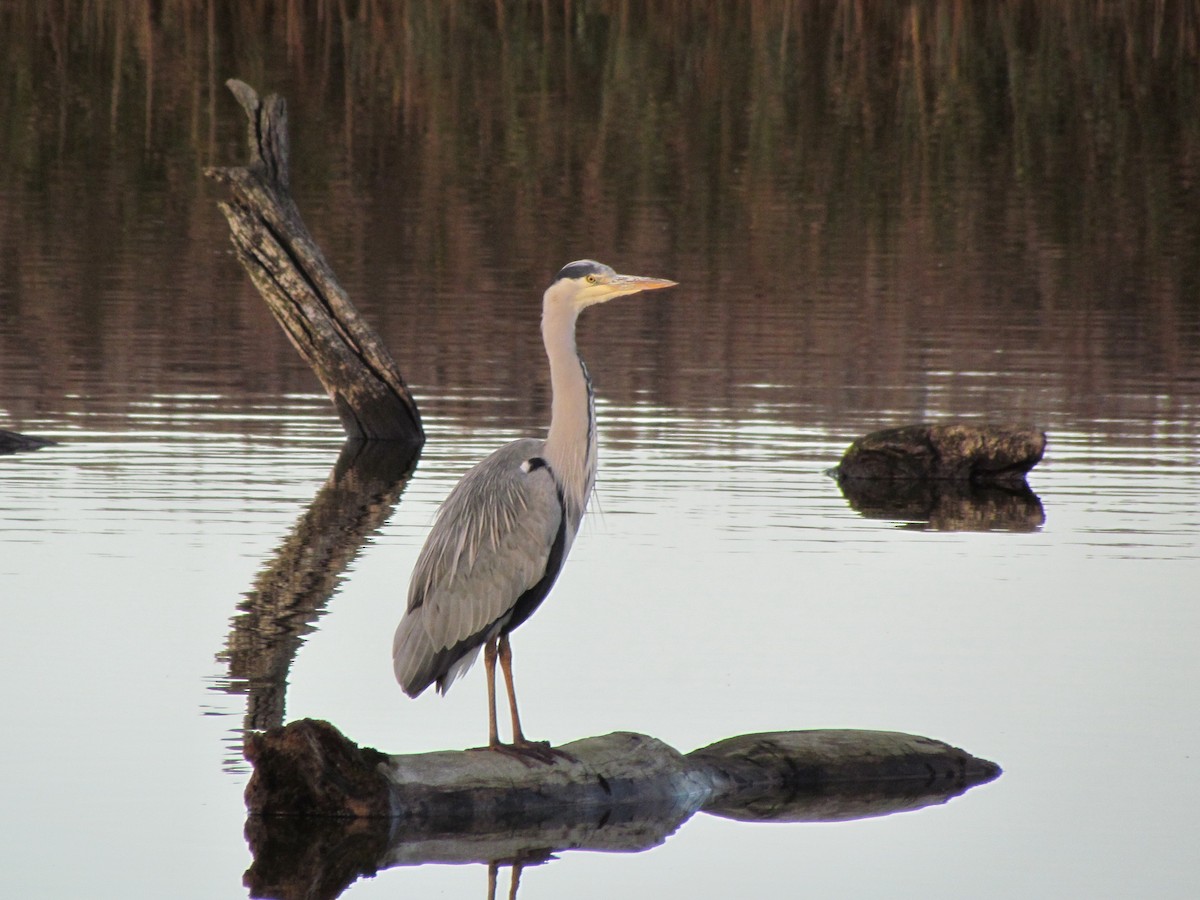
[
  {"x": 620, "y": 791},
  {"x": 299, "y": 286}
]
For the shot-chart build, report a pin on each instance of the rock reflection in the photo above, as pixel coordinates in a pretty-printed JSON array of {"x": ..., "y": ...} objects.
[
  {"x": 291, "y": 592},
  {"x": 947, "y": 505},
  {"x": 12, "y": 442}
]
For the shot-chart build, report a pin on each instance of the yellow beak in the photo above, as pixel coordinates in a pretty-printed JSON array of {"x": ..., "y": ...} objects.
[{"x": 619, "y": 285}]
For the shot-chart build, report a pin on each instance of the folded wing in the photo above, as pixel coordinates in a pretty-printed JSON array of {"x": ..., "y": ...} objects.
[{"x": 493, "y": 552}]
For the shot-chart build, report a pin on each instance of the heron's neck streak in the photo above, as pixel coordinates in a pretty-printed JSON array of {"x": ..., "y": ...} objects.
[{"x": 571, "y": 444}]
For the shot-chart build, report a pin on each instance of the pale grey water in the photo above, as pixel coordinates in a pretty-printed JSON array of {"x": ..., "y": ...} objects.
[{"x": 722, "y": 584}]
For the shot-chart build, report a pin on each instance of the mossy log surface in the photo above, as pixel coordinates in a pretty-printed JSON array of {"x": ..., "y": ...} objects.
[
  {"x": 288, "y": 268},
  {"x": 991, "y": 454}
]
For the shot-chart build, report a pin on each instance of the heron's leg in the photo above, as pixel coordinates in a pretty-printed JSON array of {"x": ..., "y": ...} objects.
[
  {"x": 506, "y": 665},
  {"x": 516, "y": 881},
  {"x": 521, "y": 746},
  {"x": 489, "y": 665}
]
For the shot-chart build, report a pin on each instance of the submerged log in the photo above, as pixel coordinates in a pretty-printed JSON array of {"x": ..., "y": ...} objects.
[
  {"x": 289, "y": 270},
  {"x": 12, "y": 442},
  {"x": 971, "y": 454},
  {"x": 620, "y": 791}
]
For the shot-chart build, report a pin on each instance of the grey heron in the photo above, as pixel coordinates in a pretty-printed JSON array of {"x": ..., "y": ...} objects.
[{"x": 500, "y": 537}]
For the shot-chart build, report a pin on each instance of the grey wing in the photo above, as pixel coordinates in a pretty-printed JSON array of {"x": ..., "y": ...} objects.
[{"x": 492, "y": 540}]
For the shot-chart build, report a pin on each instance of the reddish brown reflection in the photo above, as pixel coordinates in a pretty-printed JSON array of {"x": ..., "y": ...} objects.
[{"x": 862, "y": 201}]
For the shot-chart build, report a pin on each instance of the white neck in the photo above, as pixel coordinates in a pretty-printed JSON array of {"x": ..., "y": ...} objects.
[{"x": 571, "y": 444}]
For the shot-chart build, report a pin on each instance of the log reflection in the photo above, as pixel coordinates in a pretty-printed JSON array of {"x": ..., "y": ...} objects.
[
  {"x": 947, "y": 505},
  {"x": 291, "y": 592}
]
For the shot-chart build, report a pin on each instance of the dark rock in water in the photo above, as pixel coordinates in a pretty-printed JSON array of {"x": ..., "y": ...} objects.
[
  {"x": 11, "y": 442},
  {"x": 974, "y": 454}
]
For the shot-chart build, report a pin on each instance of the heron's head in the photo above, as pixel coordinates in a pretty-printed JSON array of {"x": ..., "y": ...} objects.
[{"x": 586, "y": 282}]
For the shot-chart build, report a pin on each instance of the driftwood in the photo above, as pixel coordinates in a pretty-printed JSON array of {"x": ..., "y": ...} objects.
[
  {"x": 299, "y": 286},
  {"x": 324, "y": 811},
  {"x": 998, "y": 455},
  {"x": 12, "y": 442}
]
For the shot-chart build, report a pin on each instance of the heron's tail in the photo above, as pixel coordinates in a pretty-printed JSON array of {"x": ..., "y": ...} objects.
[
  {"x": 418, "y": 663},
  {"x": 412, "y": 656}
]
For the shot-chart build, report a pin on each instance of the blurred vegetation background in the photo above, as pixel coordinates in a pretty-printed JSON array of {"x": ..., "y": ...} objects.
[{"x": 454, "y": 147}]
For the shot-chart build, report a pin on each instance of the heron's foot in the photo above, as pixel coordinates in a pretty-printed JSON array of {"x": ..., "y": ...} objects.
[
  {"x": 529, "y": 752},
  {"x": 555, "y": 752},
  {"x": 543, "y": 751}
]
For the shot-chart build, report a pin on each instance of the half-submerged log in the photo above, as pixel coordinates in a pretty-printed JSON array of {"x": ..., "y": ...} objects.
[
  {"x": 12, "y": 442},
  {"x": 832, "y": 775},
  {"x": 299, "y": 286},
  {"x": 620, "y": 791},
  {"x": 966, "y": 453}
]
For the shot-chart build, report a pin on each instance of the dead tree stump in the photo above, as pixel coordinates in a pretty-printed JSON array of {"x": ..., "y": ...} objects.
[{"x": 299, "y": 286}]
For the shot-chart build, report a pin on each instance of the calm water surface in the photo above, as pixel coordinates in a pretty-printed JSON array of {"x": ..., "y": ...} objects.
[{"x": 722, "y": 584}]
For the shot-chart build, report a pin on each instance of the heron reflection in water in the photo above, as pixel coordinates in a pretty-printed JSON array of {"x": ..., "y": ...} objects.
[{"x": 502, "y": 534}]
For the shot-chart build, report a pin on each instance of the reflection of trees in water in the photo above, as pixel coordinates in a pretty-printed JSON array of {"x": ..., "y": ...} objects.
[
  {"x": 771, "y": 137},
  {"x": 291, "y": 593}
]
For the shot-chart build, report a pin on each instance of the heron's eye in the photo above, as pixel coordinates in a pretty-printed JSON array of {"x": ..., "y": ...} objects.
[{"x": 591, "y": 279}]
